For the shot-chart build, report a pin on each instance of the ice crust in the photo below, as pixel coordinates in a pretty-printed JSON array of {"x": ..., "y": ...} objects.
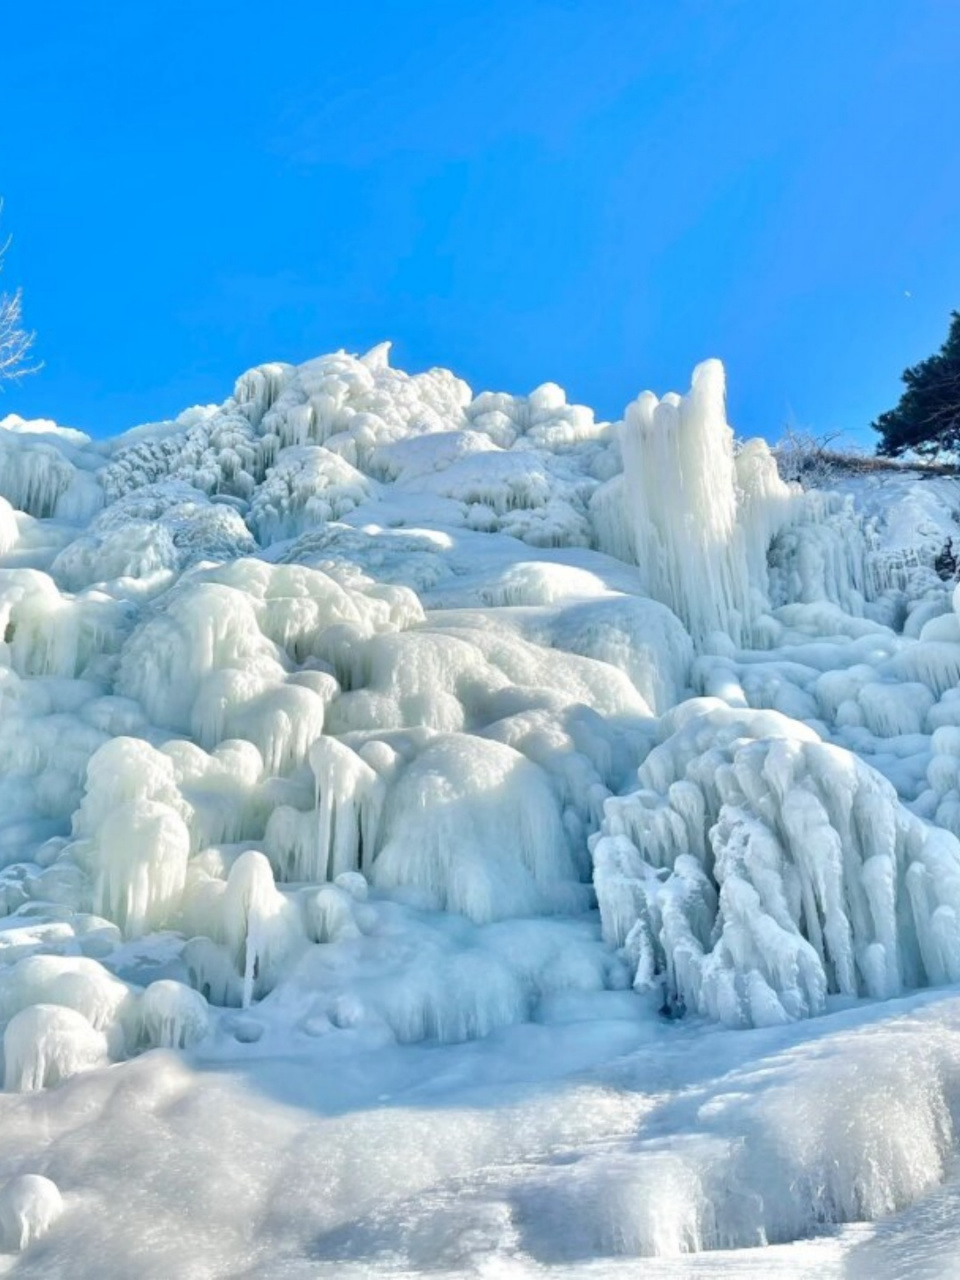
[{"x": 360, "y": 711}]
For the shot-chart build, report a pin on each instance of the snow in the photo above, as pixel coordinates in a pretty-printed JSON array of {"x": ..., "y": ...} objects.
[{"x": 449, "y": 833}]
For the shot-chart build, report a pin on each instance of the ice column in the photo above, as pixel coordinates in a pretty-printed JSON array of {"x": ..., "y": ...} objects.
[{"x": 691, "y": 517}]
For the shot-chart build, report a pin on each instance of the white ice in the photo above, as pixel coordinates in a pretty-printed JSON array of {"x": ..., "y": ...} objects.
[{"x": 446, "y": 832}]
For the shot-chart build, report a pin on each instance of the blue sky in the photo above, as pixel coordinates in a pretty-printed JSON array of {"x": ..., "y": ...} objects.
[{"x": 595, "y": 192}]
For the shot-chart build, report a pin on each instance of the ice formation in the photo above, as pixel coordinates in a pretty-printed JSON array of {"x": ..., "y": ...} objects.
[
  {"x": 360, "y": 711},
  {"x": 775, "y": 869},
  {"x": 46, "y": 1043},
  {"x": 29, "y": 1206}
]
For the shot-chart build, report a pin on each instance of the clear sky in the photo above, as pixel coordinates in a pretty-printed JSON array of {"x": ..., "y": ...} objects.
[{"x": 594, "y": 192}]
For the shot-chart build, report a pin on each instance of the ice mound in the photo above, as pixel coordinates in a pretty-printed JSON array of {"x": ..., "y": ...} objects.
[
  {"x": 46, "y": 470},
  {"x": 306, "y": 486},
  {"x": 46, "y": 1043},
  {"x": 29, "y": 1206},
  {"x": 70, "y": 982},
  {"x": 391, "y": 972},
  {"x": 159, "y": 528},
  {"x": 475, "y": 827},
  {"x": 757, "y": 871},
  {"x": 636, "y": 636},
  {"x": 9, "y": 530}
]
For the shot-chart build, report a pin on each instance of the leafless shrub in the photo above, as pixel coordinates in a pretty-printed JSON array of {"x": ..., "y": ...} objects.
[
  {"x": 15, "y": 341},
  {"x": 816, "y": 462}
]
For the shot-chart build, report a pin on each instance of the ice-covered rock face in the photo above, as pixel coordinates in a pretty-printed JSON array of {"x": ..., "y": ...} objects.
[{"x": 360, "y": 710}]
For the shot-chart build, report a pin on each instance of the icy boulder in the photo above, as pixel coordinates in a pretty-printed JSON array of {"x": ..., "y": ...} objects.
[
  {"x": 474, "y": 827},
  {"x": 758, "y": 870},
  {"x": 29, "y": 1206},
  {"x": 172, "y": 1015},
  {"x": 78, "y": 983},
  {"x": 47, "y": 1043}
]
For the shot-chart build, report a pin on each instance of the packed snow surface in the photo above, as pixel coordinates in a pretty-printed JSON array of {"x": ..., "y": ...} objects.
[{"x": 448, "y": 833}]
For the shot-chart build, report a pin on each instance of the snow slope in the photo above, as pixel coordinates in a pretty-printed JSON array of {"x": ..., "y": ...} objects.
[{"x": 446, "y": 833}]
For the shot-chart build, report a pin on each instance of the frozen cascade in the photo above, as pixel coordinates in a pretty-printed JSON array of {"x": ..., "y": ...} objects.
[
  {"x": 327, "y": 716},
  {"x": 318, "y": 706}
]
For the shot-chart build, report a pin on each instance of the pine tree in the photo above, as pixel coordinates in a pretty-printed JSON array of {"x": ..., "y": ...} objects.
[{"x": 927, "y": 419}]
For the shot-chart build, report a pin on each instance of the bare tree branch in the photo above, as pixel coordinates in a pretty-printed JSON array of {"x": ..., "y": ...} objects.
[{"x": 15, "y": 341}]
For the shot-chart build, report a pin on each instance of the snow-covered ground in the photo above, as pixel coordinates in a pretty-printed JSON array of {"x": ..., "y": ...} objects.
[{"x": 446, "y": 834}]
